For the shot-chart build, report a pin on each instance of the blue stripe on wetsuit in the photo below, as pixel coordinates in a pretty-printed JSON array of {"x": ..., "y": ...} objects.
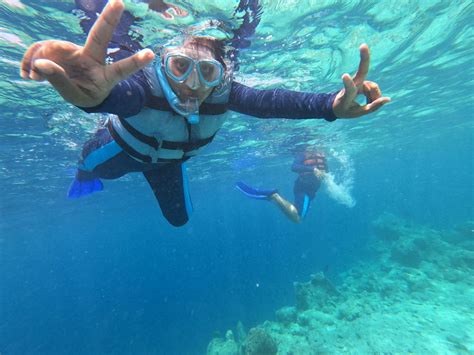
[
  {"x": 100, "y": 156},
  {"x": 187, "y": 196},
  {"x": 305, "y": 206}
]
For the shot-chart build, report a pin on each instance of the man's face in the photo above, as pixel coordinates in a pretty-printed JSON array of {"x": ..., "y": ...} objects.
[{"x": 192, "y": 86}]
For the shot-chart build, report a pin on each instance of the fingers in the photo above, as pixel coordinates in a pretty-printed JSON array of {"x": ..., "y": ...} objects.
[
  {"x": 374, "y": 106},
  {"x": 345, "y": 104},
  {"x": 25, "y": 67},
  {"x": 350, "y": 90},
  {"x": 58, "y": 78},
  {"x": 371, "y": 91},
  {"x": 55, "y": 51},
  {"x": 102, "y": 31},
  {"x": 358, "y": 110},
  {"x": 361, "y": 74},
  {"x": 35, "y": 75},
  {"x": 124, "y": 68}
]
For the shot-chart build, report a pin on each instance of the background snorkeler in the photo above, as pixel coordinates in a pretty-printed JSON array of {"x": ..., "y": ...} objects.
[
  {"x": 152, "y": 134},
  {"x": 311, "y": 166}
]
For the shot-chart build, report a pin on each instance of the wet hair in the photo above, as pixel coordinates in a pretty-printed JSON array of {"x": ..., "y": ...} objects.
[{"x": 216, "y": 46}]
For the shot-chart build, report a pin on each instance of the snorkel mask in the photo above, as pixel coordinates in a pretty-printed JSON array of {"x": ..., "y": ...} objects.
[
  {"x": 188, "y": 109},
  {"x": 178, "y": 66}
]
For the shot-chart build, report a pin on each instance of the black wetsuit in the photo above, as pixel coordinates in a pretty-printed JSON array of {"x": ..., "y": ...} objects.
[{"x": 307, "y": 183}]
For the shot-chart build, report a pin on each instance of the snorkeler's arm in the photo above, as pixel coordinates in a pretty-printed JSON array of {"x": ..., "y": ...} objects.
[
  {"x": 280, "y": 103},
  {"x": 126, "y": 99}
]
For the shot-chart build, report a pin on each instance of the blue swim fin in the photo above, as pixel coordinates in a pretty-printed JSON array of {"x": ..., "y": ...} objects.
[
  {"x": 252, "y": 192},
  {"x": 81, "y": 188}
]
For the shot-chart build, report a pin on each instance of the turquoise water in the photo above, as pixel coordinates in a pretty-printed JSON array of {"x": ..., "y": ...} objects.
[{"x": 107, "y": 274}]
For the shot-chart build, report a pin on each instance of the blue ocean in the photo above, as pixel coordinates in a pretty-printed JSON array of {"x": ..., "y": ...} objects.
[{"x": 382, "y": 263}]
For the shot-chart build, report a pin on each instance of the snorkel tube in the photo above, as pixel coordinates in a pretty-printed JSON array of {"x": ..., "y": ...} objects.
[{"x": 188, "y": 109}]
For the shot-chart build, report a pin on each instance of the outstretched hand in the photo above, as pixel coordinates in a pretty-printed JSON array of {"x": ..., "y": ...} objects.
[
  {"x": 344, "y": 105},
  {"x": 79, "y": 74}
]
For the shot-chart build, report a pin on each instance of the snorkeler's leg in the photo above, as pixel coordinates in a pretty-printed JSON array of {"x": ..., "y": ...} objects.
[
  {"x": 170, "y": 186},
  {"x": 103, "y": 158},
  {"x": 252, "y": 192},
  {"x": 270, "y": 195},
  {"x": 286, "y": 207},
  {"x": 305, "y": 189},
  {"x": 94, "y": 152},
  {"x": 302, "y": 203}
]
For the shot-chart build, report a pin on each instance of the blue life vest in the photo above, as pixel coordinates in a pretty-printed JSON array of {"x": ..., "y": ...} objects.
[{"x": 159, "y": 134}]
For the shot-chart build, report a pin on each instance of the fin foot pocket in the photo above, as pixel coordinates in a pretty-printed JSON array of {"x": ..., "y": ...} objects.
[
  {"x": 258, "y": 194},
  {"x": 81, "y": 188}
]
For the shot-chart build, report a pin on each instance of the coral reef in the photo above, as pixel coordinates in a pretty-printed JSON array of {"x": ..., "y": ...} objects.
[
  {"x": 415, "y": 296},
  {"x": 224, "y": 346},
  {"x": 259, "y": 342},
  {"x": 316, "y": 293}
]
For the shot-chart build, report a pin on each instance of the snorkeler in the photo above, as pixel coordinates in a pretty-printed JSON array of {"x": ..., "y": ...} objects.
[
  {"x": 169, "y": 105},
  {"x": 311, "y": 168}
]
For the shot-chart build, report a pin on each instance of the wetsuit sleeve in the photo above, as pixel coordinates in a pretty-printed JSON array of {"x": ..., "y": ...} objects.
[
  {"x": 299, "y": 166},
  {"x": 126, "y": 99},
  {"x": 280, "y": 103}
]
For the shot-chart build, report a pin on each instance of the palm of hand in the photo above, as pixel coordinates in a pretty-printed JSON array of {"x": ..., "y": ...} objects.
[{"x": 79, "y": 74}]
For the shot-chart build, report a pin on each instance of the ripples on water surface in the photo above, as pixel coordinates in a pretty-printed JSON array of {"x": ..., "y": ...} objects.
[{"x": 421, "y": 56}]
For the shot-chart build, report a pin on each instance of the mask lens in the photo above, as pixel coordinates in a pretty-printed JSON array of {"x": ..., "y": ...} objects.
[
  {"x": 179, "y": 67},
  {"x": 211, "y": 72}
]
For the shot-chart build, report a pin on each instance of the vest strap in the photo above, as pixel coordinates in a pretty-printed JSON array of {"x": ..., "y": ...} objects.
[
  {"x": 151, "y": 141},
  {"x": 156, "y": 144},
  {"x": 127, "y": 148},
  {"x": 161, "y": 104},
  {"x": 132, "y": 152}
]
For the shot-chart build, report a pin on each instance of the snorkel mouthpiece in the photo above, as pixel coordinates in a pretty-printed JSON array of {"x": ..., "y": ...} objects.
[
  {"x": 188, "y": 109},
  {"x": 191, "y": 107}
]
